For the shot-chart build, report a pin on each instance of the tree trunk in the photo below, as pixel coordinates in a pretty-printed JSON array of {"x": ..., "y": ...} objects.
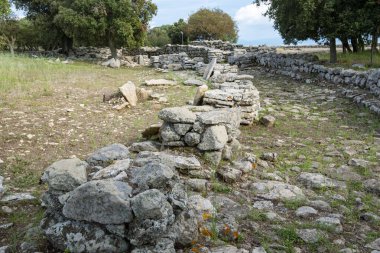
[
  {"x": 11, "y": 44},
  {"x": 111, "y": 44},
  {"x": 361, "y": 44},
  {"x": 67, "y": 45},
  {"x": 374, "y": 42},
  {"x": 354, "y": 43},
  {"x": 345, "y": 45},
  {"x": 333, "y": 57}
]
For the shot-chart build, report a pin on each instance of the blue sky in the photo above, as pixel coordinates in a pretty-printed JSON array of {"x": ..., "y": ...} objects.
[{"x": 254, "y": 28}]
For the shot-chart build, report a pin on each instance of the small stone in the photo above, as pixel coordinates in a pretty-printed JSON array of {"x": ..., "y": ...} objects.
[
  {"x": 107, "y": 155},
  {"x": 320, "y": 205},
  {"x": 6, "y": 209},
  {"x": 160, "y": 82},
  {"x": 229, "y": 174},
  {"x": 263, "y": 205},
  {"x": 214, "y": 158},
  {"x": 1, "y": 186},
  {"x": 318, "y": 181},
  {"x": 331, "y": 222},
  {"x": 199, "y": 185},
  {"x": 375, "y": 245},
  {"x": 192, "y": 139},
  {"x": 306, "y": 212},
  {"x": 258, "y": 250},
  {"x": 199, "y": 95},
  {"x": 5, "y": 226},
  {"x": 359, "y": 163},
  {"x": 271, "y": 157},
  {"x": 372, "y": 185},
  {"x": 151, "y": 204},
  {"x": 309, "y": 235},
  {"x": 194, "y": 82},
  {"x": 145, "y": 146},
  {"x": 268, "y": 121},
  {"x": 214, "y": 138}
]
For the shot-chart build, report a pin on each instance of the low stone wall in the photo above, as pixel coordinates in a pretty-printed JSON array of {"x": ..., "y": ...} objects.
[
  {"x": 295, "y": 65},
  {"x": 208, "y": 129},
  {"x": 217, "y": 44}
]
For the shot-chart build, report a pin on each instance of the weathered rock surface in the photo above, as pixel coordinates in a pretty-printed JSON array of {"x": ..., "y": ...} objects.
[
  {"x": 274, "y": 190},
  {"x": 177, "y": 115},
  {"x": 65, "y": 175},
  {"x": 214, "y": 138},
  {"x": 372, "y": 185},
  {"x": 113, "y": 170},
  {"x": 129, "y": 92},
  {"x": 102, "y": 201},
  {"x": 160, "y": 82},
  {"x": 107, "y": 155},
  {"x": 318, "y": 181}
]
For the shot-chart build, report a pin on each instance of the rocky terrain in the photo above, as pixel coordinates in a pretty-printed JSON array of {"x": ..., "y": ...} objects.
[{"x": 305, "y": 178}]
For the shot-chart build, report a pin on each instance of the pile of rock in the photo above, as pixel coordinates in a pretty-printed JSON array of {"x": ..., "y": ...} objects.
[
  {"x": 114, "y": 203},
  {"x": 210, "y": 130},
  {"x": 179, "y": 61},
  {"x": 237, "y": 92},
  {"x": 218, "y": 44}
]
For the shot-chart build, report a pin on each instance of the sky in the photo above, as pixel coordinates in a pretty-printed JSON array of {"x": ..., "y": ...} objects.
[{"x": 254, "y": 27}]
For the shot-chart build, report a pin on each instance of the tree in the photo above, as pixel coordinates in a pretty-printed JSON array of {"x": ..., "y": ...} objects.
[
  {"x": 158, "y": 37},
  {"x": 42, "y": 13},
  {"x": 9, "y": 28},
  {"x": 212, "y": 24},
  {"x": 112, "y": 23},
  {"x": 178, "y": 32}
]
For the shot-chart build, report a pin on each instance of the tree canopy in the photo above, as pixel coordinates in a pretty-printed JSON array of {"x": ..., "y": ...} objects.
[
  {"x": 326, "y": 20},
  {"x": 212, "y": 24}
]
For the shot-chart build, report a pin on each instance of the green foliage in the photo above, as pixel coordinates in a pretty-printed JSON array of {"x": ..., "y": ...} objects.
[
  {"x": 212, "y": 24},
  {"x": 158, "y": 37},
  {"x": 177, "y": 30},
  {"x": 107, "y": 22},
  {"x": 5, "y": 8}
]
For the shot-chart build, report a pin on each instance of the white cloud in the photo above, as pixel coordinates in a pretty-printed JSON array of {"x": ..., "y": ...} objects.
[{"x": 252, "y": 15}]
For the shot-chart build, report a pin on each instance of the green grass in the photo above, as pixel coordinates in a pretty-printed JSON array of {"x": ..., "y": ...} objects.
[{"x": 348, "y": 59}]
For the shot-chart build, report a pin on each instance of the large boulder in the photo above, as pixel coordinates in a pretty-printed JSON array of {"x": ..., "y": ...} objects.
[
  {"x": 107, "y": 155},
  {"x": 65, "y": 175},
  {"x": 177, "y": 115},
  {"x": 103, "y": 201},
  {"x": 153, "y": 175},
  {"x": 151, "y": 204},
  {"x": 214, "y": 138}
]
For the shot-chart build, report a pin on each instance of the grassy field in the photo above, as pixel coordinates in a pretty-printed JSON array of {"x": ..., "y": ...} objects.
[
  {"x": 51, "y": 111},
  {"x": 348, "y": 59}
]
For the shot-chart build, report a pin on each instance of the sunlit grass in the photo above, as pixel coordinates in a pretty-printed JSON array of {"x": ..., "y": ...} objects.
[{"x": 348, "y": 59}]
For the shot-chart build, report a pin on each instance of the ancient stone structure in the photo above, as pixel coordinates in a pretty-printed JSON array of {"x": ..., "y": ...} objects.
[
  {"x": 362, "y": 86},
  {"x": 204, "y": 127}
]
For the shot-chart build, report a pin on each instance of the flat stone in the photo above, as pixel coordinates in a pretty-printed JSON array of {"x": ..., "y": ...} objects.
[
  {"x": 160, "y": 82},
  {"x": 5, "y": 226},
  {"x": 65, "y": 175},
  {"x": 320, "y": 205},
  {"x": 275, "y": 190},
  {"x": 306, "y": 212},
  {"x": 129, "y": 93},
  {"x": 194, "y": 82},
  {"x": 258, "y": 250},
  {"x": 359, "y": 163},
  {"x": 107, "y": 155},
  {"x": 112, "y": 170},
  {"x": 223, "y": 116},
  {"x": 17, "y": 197},
  {"x": 101, "y": 201},
  {"x": 177, "y": 115},
  {"x": 145, "y": 146},
  {"x": 318, "y": 181}
]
